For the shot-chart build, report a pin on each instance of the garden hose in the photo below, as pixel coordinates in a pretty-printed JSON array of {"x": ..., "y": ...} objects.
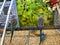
[
  {"x": 12, "y": 26},
  {"x": 40, "y": 26},
  {"x": 42, "y": 35}
]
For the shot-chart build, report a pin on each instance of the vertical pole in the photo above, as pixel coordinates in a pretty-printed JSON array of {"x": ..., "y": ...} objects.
[
  {"x": 57, "y": 14},
  {"x": 27, "y": 43}
]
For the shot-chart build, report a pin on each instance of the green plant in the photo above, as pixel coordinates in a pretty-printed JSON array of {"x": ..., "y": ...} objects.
[{"x": 29, "y": 12}]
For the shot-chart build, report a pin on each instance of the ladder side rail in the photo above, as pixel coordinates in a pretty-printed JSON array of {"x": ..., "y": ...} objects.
[{"x": 2, "y": 6}]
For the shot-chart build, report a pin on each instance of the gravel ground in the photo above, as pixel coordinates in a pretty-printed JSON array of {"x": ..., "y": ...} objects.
[{"x": 19, "y": 38}]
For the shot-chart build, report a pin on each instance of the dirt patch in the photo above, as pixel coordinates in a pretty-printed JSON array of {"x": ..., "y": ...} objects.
[{"x": 20, "y": 37}]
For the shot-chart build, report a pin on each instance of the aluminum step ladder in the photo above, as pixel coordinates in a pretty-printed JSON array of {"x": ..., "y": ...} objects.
[{"x": 6, "y": 23}]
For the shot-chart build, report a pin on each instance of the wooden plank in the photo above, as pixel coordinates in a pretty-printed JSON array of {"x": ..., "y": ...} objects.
[
  {"x": 35, "y": 28},
  {"x": 32, "y": 28}
]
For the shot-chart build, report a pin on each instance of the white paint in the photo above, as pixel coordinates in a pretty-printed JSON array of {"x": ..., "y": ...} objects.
[
  {"x": 49, "y": 9},
  {"x": 43, "y": 0}
]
